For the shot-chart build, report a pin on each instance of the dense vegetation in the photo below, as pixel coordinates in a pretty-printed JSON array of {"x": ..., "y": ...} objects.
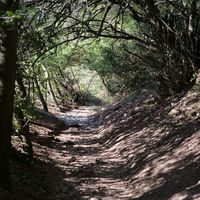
[{"x": 47, "y": 47}]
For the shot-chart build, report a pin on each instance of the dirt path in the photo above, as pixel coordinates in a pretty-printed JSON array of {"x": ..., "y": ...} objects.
[
  {"x": 137, "y": 151},
  {"x": 89, "y": 167}
]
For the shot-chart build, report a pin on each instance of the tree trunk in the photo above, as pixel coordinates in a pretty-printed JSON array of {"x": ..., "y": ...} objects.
[
  {"x": 40, "y": 95},
  {"x": 67, "y": 84},
  {"x": 51, "y": 89},
  {"x": 23, "y": 121},
  {"x": 21, "y": 85},
  {"x": 25, "y": 131},
  {"x": 57, "y": 88},
  {"x": 8, "y": 45}
]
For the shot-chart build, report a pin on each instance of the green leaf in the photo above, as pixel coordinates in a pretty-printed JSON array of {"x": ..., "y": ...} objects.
[{"x": 10, "y": 13}]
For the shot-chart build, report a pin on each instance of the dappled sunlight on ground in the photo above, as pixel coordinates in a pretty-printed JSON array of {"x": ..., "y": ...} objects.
[{"x": 143, "y": 150}]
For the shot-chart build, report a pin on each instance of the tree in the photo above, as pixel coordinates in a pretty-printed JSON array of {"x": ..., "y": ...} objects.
[
  {"x": 167, "y": 34},
  {"x": 8, "y": 59}
]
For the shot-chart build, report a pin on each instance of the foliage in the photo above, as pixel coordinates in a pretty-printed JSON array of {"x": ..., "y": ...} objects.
[
  {"x": 168, "y": 35},
  {"x": 148, "y": 45},
  {"x": 28, "y": 106},
  {"x": 66, "y": 68},
  {"x": 116, "y": 64}
]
